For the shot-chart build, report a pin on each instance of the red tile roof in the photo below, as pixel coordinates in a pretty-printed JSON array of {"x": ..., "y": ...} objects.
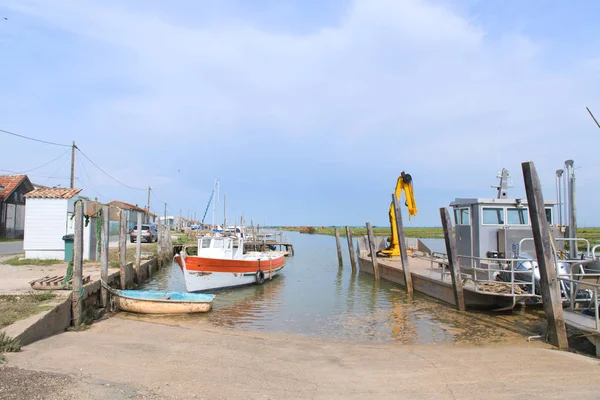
[
  {"x": 53, "y": 193},
  {"x": 126, "y": 206},
  {"x": 10, "y": 183}
]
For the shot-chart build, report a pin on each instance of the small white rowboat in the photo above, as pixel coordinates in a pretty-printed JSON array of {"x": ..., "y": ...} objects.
[{"x": 156, "y": 302}]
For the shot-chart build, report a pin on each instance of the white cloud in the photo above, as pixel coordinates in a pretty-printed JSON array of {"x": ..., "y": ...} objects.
[{"x": 401, "y": 84}]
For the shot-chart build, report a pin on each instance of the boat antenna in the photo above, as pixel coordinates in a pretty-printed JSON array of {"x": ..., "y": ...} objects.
[
  {"x": 592, "y": 115},
  {"x": 212, "y": 194},
  {"x": 503, "y": 186}
]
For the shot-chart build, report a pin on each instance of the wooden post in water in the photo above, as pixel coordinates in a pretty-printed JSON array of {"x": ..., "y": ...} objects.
[
  {"x": 459, "y": 297},
  {"x": 105, "y": 237},
  {"x": 77, "y": 297},
  {"x": 351, "y": 249},
  {"x": 371, "y": 240},
  {"x": 339, "y": 247},
  {"x": 402, "y": 244},
  {"x": 138, "y": 248},
  {"x": 543, "y": 249},
  {"x": 123, "y": 247}
]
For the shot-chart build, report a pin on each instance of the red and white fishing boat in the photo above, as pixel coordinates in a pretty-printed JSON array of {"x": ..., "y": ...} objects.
[{"x": 221, "y": 263}]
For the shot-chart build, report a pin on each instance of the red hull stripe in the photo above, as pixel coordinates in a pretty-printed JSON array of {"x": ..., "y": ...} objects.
[{"x": 201, "y": 264}]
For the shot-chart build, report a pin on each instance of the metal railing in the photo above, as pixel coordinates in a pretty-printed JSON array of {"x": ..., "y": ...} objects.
[
  {"x": 575, "y": 240},
  {"x": 485, "y": 277},
  {"x": 577, "y": 285}
]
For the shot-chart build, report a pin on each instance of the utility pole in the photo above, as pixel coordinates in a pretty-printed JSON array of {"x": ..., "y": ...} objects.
[
  {"x": 73, "y": 165},
  {"x": 165, "y": 214},
  {"x": 149, "y": 189},
  {"x": 224, "y": 210},
  {"x": 180, "y": 224}
]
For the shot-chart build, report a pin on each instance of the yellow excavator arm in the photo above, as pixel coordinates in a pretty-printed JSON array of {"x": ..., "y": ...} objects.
[{"x": 404, "y": 184}]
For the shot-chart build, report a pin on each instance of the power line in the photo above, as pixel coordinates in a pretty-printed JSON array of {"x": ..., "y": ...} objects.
[
  {"x": 63, "y": 164},
  {"x": 43, "y": 165},
  {"x": 106, "y": 173},
  {"x": 38, "y": 175},
  {"x": 34, "y": 139},
  {"x": 80, "y": 163}
]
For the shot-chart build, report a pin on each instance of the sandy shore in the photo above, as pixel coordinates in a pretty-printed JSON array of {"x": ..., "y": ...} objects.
[{"x": 127, "y": 358}]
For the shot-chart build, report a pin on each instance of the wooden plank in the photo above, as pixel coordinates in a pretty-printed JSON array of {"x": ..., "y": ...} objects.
[
  {"x": 77, "y": 300},
  {"x": 104, "y": 238},
  {"x": 138, "y": 248},
  {"x": 402, "y": 243},
  {"x": 543, "y": 249},
  {"x": 373, "y": 250},
  {"x": 459, "y": 296},
  {"x": 123, "y": 247},
  {"x": 351, "y": 249},
  {"x": 339, "y": 247}
]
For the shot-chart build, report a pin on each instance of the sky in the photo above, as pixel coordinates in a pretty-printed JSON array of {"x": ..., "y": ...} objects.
[{"x": 306, "y": 111}]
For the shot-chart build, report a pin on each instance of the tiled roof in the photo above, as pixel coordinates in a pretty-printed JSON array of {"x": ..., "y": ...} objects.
[
  {"x": 53, "y": 193},
  {"x": 126, "y": 206},
  {"x": 10, "y": 183}
]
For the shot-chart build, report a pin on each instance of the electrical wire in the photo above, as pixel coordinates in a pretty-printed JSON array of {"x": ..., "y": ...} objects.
[
  {"x": 89, "y": 179},
  {"x": 38, "y": 175},
  {"x": 106, "y": 173},
  {"x": 63, "y": 164},
  {"x": 35, "y": 140},
  {"x": 41, "y": 166}
]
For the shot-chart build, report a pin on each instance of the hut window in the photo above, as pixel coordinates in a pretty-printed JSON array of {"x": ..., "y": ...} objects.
[
  {"x": 517, "y": 216},
  {"x": 493, "y": 216}
]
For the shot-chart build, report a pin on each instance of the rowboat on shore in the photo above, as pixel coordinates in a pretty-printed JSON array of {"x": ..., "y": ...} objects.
[
  {"x": 157, "y": 302},
  {"x": 221, "y": 263}
]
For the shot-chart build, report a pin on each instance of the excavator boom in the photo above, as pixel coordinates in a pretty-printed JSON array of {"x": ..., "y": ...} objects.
[{"x": 404, "y": 184}]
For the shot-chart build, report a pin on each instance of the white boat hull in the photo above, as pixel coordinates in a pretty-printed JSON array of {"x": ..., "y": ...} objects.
[{"x": 201, "y": 281}]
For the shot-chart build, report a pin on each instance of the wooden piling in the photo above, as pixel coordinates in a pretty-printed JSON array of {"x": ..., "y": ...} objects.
[
  {"x": 373, "y": 250},
  {"x": 105, "y": 237},
  {"x": 459, "y": 297},
  {"x": 339, "y": 247},
  {"x": 351, "y": 249},
  {"x": 543, "y": 249},
  {"x": 138, "y": 248},
  {"x": 77, "y": 297},
  {"x": 123, "y": 247},
  {"x": 402, "y": 244}
]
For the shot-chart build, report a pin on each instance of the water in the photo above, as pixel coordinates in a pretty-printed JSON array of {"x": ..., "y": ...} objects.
[{"x": 315, "y": 298}]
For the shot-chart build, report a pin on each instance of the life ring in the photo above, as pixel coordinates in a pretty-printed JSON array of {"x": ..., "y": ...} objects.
[{"x": 260, "y": 277}]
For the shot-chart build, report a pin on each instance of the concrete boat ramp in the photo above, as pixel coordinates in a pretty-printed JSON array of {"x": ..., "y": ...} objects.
[{"x": 122, "y": 358}]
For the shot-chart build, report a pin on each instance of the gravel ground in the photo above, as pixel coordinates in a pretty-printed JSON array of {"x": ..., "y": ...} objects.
[{"x": 23, "y": 384}]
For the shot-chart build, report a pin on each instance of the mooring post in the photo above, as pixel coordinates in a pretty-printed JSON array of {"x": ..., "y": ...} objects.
[
  {"x": 138, "y": 248},
  {"x": 105, "y": 237},
  {"x": 543, "y": 249},
  {"x": 77, "y": 295},
  {"x": 351, "y": 249},
  {"x": 459, "y": 297},
  {"x": 371, "y": 240},
  {"x": 123, "y": 247},
  {"x": 402, "y": 244},
  {"x": 339, "y": 247}
]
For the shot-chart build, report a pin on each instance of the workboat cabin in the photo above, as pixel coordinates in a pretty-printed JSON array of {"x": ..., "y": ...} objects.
[{"x": 495, "y": 228}]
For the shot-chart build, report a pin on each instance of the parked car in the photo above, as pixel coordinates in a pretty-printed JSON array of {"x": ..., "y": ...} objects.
[{"x": 149, "y": 234}]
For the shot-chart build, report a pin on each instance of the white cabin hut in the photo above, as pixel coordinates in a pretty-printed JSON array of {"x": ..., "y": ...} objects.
[{"x": 48, "y": 213}]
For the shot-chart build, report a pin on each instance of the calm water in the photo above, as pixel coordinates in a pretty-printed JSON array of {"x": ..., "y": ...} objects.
[{"x": 314, "y": 297}]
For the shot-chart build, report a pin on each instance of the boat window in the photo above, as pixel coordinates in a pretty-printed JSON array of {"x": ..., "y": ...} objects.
[
  {"x": 218, "y": 243},
  {"x": 205, "y": 243},
  {"x": 549, "y": 215},
  {"x": 493, "y": 216},
  {"x": 461, "y": 216},
  {"x": 517, "y": 216}
]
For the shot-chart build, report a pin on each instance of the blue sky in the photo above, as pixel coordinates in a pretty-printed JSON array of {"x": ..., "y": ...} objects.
[{"x": 306, "y": 111}]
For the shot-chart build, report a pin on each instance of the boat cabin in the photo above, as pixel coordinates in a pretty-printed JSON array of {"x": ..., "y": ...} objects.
[
  {"x": 493, "y": 228},
  {"x": 220, "y": 247}
]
